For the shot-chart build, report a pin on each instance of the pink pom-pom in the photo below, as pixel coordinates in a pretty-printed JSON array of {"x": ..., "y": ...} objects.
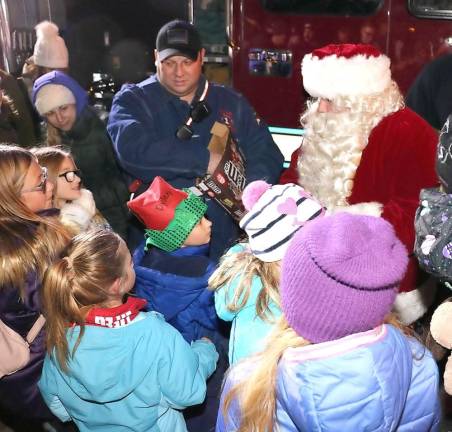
[{"x": 253, "y": 192}]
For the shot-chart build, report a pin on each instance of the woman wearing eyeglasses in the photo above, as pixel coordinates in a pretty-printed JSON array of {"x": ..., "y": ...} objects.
[
  {"x": 30, "y": 237},
  {"x": 63, "y": 104},
  {"x": 77, "y": 207}
]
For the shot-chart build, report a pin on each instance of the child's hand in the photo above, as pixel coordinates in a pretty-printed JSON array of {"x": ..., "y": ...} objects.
[{"x": 206, "y": 338}]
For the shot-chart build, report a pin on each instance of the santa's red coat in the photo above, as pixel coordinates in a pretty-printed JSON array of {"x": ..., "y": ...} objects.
[{"x": 398, "y": 161}]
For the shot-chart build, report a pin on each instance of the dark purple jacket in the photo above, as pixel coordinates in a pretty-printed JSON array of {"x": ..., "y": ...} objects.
[{"x": 19, "y": 392}]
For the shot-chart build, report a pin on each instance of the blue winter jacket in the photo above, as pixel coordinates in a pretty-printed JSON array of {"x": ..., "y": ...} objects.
[
  {"x": 379, "y": 381},
  {"x": 248, "y": 331},
  {"x": 133, "y": 378},
  {"x": 175, "y": 285},
  {"x": 143, "y": 122}
]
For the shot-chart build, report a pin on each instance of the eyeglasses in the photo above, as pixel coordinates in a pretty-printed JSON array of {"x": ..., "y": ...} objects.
[
  {"x": 70, "y": 175},
  {"x": 41, "y": 187}
]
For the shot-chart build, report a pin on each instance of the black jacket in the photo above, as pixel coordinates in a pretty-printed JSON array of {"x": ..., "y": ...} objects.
[{"x": 93, "y": 153}]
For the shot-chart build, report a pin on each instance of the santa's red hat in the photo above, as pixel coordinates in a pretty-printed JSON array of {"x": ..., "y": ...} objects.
[{"x": 345, "y": 70}]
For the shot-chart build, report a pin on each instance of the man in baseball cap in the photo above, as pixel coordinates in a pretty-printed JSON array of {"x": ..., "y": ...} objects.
[
  {"x": 146, "y": 120},
  {"x": 178, "y": 38}
]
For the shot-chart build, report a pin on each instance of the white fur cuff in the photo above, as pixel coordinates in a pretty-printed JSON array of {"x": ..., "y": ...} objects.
[{"x": 410, "y": 306}]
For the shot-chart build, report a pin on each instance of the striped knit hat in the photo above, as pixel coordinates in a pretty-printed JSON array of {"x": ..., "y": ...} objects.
[{"x": 275, "y": 214}]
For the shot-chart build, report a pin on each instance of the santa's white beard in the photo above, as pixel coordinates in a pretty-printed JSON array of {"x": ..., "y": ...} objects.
[{"x": 331, "y": 152}]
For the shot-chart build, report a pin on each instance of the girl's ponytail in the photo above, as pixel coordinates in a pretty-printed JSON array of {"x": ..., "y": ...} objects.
[
  {"x": 60, "y": 307},
  {"x": 77, "y": 282}
]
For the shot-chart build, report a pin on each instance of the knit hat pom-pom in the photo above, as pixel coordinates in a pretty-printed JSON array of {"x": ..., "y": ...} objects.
[
  {"x": 46, "y": 29},
  {"x": 253, "y": 192}
]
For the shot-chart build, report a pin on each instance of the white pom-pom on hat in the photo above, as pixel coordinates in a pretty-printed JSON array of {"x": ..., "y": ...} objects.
[
  {"x": 50, "y": 49},
  {"x": 46, "y": 29}
]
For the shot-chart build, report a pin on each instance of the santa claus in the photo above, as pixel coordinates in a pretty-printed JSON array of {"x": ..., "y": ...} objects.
[{"x": 364, "y": 151}]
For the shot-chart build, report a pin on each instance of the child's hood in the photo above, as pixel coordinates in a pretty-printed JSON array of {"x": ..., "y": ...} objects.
[
  {"x": 109, "y": 363},
  {"x": 60, "y": 78}
]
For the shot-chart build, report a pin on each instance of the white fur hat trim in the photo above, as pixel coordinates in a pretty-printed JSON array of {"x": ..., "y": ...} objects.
[
  {"x": 333, "y": 75},
  {"x": 52, "y": 96}
]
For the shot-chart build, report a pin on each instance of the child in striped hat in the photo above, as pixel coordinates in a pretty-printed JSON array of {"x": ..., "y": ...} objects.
[{"x": 246, "y": 283}]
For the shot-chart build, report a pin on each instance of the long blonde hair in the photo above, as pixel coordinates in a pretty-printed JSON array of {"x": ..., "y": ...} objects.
[
  {"x": 76, "y": 282},
  {"x": 257, "y": 393},
  {"x": 28, "y": 241},
  {"x": 246, "y": 266},
  {"x": 53, "y": 135}
]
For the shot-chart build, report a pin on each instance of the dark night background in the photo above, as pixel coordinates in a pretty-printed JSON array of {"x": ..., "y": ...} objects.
[{"x": 116, "y": 36}]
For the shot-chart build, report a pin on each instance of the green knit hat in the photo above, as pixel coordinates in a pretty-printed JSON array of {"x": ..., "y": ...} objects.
[{"x": 186, "y": 216}]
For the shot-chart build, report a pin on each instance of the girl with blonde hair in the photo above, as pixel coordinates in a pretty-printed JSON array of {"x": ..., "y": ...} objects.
[
  {"x": 78, "y": 210},
  {"x": 31, "y": 236},
  {"x": 111, "y": 366},
  {"x": 334, "y": 362},
  {"x": 246, "y": 282}
]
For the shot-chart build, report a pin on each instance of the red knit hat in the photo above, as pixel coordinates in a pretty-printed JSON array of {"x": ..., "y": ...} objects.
[
  {"x": 345, "y": 70},
  {"x": 169, "y": 214}
]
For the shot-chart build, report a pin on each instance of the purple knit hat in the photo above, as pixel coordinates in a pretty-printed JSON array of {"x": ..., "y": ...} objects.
[{"x": 340, "y": 276}]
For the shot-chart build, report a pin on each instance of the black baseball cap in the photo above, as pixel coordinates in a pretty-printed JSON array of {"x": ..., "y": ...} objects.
[{"x": 178, "y": 38}]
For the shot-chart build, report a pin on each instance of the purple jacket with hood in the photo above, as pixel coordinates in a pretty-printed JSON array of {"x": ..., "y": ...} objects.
[{"x": 19, "y": 392}]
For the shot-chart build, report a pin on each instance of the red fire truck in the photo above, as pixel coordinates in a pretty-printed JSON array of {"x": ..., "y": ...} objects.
[{"x": 268, "y": 39}]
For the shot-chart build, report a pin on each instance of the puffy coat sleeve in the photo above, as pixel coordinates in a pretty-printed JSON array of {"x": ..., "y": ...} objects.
[
  {"x": 421, "y": 412},
  {"x": 49, "y": 390},
  {"x": 222, "y": 298},
  {"x": 228, "y": 421},
  {"x": 433, "y": 225},
  {"x": 184, "y": 369},
  {"x": 224, "y": 294}
]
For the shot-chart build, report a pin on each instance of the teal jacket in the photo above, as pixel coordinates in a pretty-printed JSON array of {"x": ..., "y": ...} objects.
[
  {"x": 248, "y": 331},
  {"x": 133, "y": 378}
]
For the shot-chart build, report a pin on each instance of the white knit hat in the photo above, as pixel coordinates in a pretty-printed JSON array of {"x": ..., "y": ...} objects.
[
  {"x": 50, "y": 50},
  {"x": 345, "y": 70},
  {"x": 275, "y": 214},
  {"x": 52, "y": 96}
]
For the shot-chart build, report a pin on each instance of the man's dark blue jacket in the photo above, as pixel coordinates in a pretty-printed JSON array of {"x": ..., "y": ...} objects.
[{"x": 143, "y": 122}]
